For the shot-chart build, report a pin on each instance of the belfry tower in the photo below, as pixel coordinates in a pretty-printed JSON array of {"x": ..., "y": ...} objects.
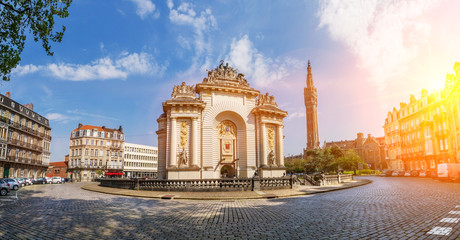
[{"x": 311, "y": 105}]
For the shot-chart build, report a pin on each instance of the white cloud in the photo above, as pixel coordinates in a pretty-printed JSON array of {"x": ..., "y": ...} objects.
[
  {"x": 385, "y": 35},
  {"x": 261, "y": 70},
  {"x": 26, "y": 69},
  {"x": 80, "y": 113},
  {"x": 57, "y": 117},
  {"x": 101, "y": 69},
  {"x": 185, "y": 15},
  {"x": 295, "y": 115},
  {"x": 145, "y": 7}
]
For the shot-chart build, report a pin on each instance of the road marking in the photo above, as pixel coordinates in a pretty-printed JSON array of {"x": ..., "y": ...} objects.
[
  {"x": 440, "y": 231},
  {"x": 450, "y": 220},
  {"x": 454, "y": 212}
]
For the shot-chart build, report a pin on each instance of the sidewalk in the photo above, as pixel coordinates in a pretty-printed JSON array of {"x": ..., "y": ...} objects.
[{"x": 297, "y": 191}]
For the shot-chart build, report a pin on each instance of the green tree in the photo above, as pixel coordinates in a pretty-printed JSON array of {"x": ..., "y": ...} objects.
[
  {"x": 36, "y": 16},
  {"x": 320, "y": 160},
  {"x": 99, "y": 172},
  {"x": 297, "y": 165},
  {"x": 350, "y": 161}
]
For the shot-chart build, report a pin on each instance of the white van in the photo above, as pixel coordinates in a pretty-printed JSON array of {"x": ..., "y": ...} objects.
[{"x": 449, "y": 171}]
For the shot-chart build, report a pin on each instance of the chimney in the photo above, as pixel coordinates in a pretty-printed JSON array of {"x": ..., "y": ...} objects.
[
  {"x": 80, "y": 125},
  {"x": 8, "y": 94},
  {"x": 369, "y": 135},
  {"x": 360, "y": 135},
  {"x": 31, "y": 106},
  {"x": 120, "y": 129}
]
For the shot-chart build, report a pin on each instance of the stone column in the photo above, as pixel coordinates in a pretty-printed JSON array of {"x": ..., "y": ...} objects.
[
  {"x": 194, "y": 145},
  {"x": 263, "y": 145},
  {"x": 280, "y": 146},
  {"x": 172, "y": 154}
]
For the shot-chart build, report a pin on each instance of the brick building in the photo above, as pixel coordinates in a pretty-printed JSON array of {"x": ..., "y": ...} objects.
[
  {"x": 57, "y": 169},
  {"x": 370, "y": 149}
]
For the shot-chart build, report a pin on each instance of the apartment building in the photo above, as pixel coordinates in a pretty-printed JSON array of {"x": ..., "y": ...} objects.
[
  {"x": 24, "y": 140},
  {"x": 424, "y": 132},
  {"x": 95, "y": 151},
  {"x": 140, "y": 161}
]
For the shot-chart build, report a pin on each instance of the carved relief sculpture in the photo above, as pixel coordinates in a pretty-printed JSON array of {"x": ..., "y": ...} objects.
[
  {"x": 183, "y": 134},
  {"x": 226, "y": 75},
  {"x": 226, "y": 129},
  {"x": 271, "y": 138},
  {"x": 266, "y": 100},
  {"x": 183, "y": 91}
]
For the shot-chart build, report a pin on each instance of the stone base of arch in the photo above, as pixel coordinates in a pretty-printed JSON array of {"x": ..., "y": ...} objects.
[
  {"x": 183, "y": 173},
  {"x": 268, "y": 172}
]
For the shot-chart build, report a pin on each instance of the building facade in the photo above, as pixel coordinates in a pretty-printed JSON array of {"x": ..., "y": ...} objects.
[
  {"x": 95, "y": 151},
  {"x": 140, "y": 161},
  {"x": 25, "y": 138},
  {"x": 311, "y": 105},
  {"x": 371, "y": 149},
  {"x": 424, "y": 132},
  {"x": 57, "y": 169},
  {"x": 228, "y": 130}
]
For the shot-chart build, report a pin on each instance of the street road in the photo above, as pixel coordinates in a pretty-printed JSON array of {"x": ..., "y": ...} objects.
[{"x": 388, "y": 208}]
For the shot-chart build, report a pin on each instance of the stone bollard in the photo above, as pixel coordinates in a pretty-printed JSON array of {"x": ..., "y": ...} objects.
[{"x": 255, "y": 183}]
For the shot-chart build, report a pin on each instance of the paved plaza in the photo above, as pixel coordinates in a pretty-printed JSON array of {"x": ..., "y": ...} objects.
[{"x": 388, "y": 208}]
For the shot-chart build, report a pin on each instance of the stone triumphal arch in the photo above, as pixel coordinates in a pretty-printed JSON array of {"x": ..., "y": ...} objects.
[{"x": 220, "y": 128}]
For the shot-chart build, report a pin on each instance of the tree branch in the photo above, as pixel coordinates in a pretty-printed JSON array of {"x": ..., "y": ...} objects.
[{"x": 13, "y": 9}]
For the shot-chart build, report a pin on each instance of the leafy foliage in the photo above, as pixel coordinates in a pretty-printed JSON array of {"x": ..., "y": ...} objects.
[
  {"x": 36, "y": 16},
  {"x": 350, "y": 161},
  {"x": 325, "y": 160}
]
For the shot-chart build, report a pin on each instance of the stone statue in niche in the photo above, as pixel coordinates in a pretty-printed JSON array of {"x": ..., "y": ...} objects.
[
  {"x": 183, "y": 160},
  {"x": 271, "y": 158}
]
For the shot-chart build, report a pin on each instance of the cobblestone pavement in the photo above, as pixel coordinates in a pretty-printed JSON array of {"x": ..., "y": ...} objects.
[{"x": 388, "y": 208}]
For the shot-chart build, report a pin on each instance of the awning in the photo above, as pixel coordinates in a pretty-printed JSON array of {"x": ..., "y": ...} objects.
[{"x": 113, "y": 173}]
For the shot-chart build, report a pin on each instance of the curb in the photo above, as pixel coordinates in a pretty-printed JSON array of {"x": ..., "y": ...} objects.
[{"x": 169, "y": 195}]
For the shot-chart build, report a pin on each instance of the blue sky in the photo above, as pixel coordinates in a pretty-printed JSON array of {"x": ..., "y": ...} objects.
[{"x": 119, "y": 60}]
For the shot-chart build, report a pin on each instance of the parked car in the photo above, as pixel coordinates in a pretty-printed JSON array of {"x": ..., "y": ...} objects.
[
  {"x": 386, "y": 173},
  {"x": 40, "y": 181},
  {"x": 29, "y": 181},
  {"x": 4, "y": 187},
  {"x": 407, "y": 174},
  {"x": 401, "y": 173},
  {"x": 395, "y": 173},
  {"x": 49, "y": 180},
  {"x": 21, "y": 181},
  {"x": 449, "y": 171},
  {"x": 14, "y": 184},
  {"x": 415, "y": 173},
  {"x": 56, "y": 180}
]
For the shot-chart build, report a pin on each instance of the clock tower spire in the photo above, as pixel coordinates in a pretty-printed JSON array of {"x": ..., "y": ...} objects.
[{"x": 311, "y": 105}]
